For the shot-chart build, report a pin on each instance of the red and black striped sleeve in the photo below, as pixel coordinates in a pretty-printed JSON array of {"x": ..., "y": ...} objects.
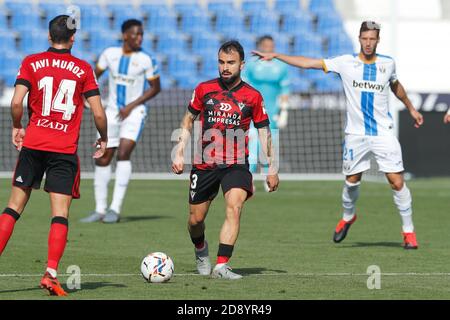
[
  {"x": 24, "y": 76},
  {"x": 259, "y": 115},
  {"x": 196, "y": 104}
]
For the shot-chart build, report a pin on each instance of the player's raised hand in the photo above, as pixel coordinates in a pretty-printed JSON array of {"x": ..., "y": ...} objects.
[
  {"x": 178, "y": 164},
  {"x": 272, "y": 182},
  {"x": 265, "y": 56},
  {"x": 17, "y": 137},
  {"x": 101, "y": 148},
  {"x": 418, "y": 118},
  {"x": 447, "y": 118}
]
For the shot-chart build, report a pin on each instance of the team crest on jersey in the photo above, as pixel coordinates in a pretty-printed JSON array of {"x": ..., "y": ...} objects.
[
  {"x": 241, "y": 105},
  {"x": 382, "y": 69}
]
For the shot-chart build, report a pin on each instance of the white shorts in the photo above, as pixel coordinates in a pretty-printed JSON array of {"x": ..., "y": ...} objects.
[
  {"x": 358, "y": 150},
  {"x": 130, "y": 128}
]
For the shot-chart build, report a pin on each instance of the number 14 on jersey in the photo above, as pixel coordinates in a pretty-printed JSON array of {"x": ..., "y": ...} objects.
[{"x": 63, "y": 100}]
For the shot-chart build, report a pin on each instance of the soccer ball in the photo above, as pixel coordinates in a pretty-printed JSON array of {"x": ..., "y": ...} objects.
[{"x": 157, "y": 267}]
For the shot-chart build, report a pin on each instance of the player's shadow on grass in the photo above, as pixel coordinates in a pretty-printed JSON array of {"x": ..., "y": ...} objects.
[
  {"x": 84, "y": 286},
  {"x": 97, "y": 285},
  {"x": 127, "y": 219},
  {"x": 373, "y": 244},
  {"x": 252, "y": 271},
  {"x": 21, "y": 290}
]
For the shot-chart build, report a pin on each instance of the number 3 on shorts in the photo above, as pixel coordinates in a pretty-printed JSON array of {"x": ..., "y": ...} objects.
[{"x": 194, "y": 179}]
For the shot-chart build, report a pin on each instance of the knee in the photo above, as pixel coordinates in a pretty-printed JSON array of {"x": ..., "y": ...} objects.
[
  {"x": 397, "y": 185},
  {"x": 353, "y": 179},
  {"x": 103, "y": 161},
  {"x": 234, "y": 211},
  {"x": 195, "y": 219},
  {"x": 123, "y": 155}
]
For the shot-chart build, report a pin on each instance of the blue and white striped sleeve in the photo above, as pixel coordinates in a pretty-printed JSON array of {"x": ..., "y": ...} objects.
[
  {"x": 393, "y": 77},
  {"x": 152, "y": 70},
  {"x": 332, "y": 64}
]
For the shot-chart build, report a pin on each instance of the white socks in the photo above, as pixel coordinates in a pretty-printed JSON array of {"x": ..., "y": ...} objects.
[
  {"x": 403, "y": 200},
  {"x": 123, "y": 174},
  {"x": 101, "y": 179},
  {"x": 350, "y": 194},
  {"x": 52, "y": 272}
]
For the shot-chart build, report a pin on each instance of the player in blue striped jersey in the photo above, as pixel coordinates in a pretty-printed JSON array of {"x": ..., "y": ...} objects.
[
  {"x": 129, "y": 69},
  {"x": 368, "y": 78}
]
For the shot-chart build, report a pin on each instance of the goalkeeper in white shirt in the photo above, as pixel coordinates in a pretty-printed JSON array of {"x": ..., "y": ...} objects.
[{"x": 367, "y": 78}]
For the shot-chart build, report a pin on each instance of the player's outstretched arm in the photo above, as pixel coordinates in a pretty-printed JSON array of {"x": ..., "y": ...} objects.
[
  {"x": 186, "y": 128},
  {"x": 18, "y": 133},
  {"x": 296, "y": 61},
  {"x": 265, "y": 138},
  {"x": 98, "y": 111},
  {"x": 400, "y": 92}
]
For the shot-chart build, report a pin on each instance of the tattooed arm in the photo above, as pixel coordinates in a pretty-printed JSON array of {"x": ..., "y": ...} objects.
[
  {"x": 265, "y": 138},
  {"x": 186, "y": 128}
]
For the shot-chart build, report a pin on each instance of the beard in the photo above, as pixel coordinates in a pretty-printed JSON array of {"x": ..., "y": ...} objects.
[
  {"x": 229, "y": 80},
  {"x": 371, "y": 50}
]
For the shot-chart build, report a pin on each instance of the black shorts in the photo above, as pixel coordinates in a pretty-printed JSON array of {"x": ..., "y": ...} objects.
[
  {"x": 204, "y": 184},
  {"x": 62, "y": 171}
]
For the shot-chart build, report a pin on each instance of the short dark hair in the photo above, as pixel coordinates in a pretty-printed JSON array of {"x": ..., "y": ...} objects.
[
  {"x": 130, "y": 23},
  {"x": 228, "y": 46},
  {"x": 370, "y": 25},
  {"x": 61, "y": 29},
  {"x": 264, "y": 37}
]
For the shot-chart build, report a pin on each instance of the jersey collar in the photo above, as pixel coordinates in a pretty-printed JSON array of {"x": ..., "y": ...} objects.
[
  {"x": 51, "y": 49},
  {"x": 224, "y": 87},
  {"x": 363, "y": 59}
]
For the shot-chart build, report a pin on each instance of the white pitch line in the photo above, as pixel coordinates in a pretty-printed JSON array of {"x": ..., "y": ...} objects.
[{"x": 395, "y": 274}]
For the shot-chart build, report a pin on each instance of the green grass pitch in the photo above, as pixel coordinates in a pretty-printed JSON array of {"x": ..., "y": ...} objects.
[{"x": 284, "y": 248}]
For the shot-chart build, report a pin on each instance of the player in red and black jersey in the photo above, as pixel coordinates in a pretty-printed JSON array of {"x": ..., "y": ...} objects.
[
  {"x": 225, "y": 108},
  {"x": 56, "y": 83}
]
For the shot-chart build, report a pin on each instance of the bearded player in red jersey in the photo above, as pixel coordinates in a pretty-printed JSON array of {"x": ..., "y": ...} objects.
[
  {"x": 56, "y": 83},
  {"x": 226, "y": 107}
]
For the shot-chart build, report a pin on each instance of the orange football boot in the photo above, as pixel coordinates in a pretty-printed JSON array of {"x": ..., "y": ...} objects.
[
  {"x": 409, "y": 240},
  {"x": 52, "y": 285},
  {"x": 342, "y": 228}
]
